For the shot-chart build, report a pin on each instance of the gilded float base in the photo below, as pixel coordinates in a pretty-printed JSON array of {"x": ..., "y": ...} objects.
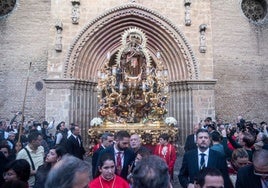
[{"x": 149, "y": 132}]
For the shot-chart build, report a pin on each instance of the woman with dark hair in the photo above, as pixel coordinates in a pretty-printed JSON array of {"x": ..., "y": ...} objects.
[
  {"x": 17, "y": 170},
  {"x": 4, "y": 158},
  {"x": 107, "y": 177},
  {"x": 55, "y": 154}
]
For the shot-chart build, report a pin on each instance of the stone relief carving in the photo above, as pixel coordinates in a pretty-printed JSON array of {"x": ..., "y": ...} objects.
[
  {"x": 187, "y": 4},
  {"x": 58, "y": 42},
  {"x": 203, "y": 46},
  {"x": 75, "y": 11}
]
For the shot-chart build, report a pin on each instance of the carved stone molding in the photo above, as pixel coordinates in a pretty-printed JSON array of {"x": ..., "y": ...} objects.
[
  {"x": 203, "y": 46},
  {"x": 194, "y": 84},
  {"x": 187, "y": 4},
  {"x": 162, "y": 34},
  {"x": 68, "y": 84},
  {"x": 75, "y": 11},
  {"x": 58, "y": 41}
]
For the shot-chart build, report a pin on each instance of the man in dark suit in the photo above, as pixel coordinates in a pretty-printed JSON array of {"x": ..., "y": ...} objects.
[
  {"x": 74, "y": 144},
  {"x": 256, "y": 174},
  {"x": 207, "y": 122},
  {"x": 195, "y": 160},
  {"x": 107, "y": 139},
  {"x": 190, "y": 142},
  {"x": 123, "y": 155}
]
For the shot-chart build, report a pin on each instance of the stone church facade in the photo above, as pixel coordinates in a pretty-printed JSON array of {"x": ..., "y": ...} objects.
[{"x": 215, "y": 52}]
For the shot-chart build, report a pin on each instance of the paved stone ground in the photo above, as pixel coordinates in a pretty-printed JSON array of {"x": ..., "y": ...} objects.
[{"x": 175, "y": 182}]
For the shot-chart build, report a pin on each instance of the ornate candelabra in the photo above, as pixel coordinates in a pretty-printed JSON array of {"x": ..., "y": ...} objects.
[{"x": 133, "y": 88}]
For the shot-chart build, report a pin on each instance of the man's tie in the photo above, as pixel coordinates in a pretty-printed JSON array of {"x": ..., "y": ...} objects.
[
  {"x": 77, "y": 139},
  {"x": 202, "y": 161},
  {"x": 118, "y": 163}
]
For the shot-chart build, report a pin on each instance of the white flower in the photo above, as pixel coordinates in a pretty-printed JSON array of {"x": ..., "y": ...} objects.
[
  {"x": 171, "y": 121},
  {"x": 96, "y": 121}
]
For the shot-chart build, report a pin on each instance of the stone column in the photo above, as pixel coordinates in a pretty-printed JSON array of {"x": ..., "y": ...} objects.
[
  {"x": 203, "y": 99},
  {"x": 58, "y": 94},
  {"x": 191, "y": 101},
  {"x": 72, "y": 101}
]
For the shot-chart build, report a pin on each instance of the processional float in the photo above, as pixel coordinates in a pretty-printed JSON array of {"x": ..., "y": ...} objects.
[{"x": 133, "y": 92}]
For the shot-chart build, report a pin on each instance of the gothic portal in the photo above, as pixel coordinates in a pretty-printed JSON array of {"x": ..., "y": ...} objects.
[{"x": 88, "y": 52}]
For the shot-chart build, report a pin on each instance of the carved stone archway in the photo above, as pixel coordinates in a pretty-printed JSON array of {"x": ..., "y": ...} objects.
[
  {"x": 103, "y": 34},
  {"x": 88, "y": 51}
]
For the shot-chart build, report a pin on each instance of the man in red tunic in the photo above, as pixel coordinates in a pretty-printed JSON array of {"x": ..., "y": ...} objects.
[{"x": 166, "y": 151}]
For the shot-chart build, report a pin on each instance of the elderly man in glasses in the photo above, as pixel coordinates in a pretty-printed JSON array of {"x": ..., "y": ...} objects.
[{"x": 256, "y": 174}]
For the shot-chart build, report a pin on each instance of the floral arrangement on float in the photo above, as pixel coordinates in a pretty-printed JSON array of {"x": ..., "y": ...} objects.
[
  {"x": 171, "y": 121},
  {"x": 96, "y": 121}
]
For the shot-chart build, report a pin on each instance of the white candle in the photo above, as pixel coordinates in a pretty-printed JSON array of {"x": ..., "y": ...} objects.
[
  {"x": 108, "y": 55},
  {"x": 114, "y": 71},
  {"x": 121, "y": 86},
  {"x": 143, "y": 86}
]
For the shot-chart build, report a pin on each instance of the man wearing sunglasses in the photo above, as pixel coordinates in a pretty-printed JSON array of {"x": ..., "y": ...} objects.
[{"x": 256, "y": 174}]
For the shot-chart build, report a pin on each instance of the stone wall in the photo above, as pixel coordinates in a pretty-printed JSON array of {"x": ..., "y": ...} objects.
[
  {"x": 24, "y": 39},
  {"x": 240, "y": 63}
]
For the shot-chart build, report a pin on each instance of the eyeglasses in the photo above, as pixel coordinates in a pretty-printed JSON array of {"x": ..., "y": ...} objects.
[{"x": 264, "y": 174}]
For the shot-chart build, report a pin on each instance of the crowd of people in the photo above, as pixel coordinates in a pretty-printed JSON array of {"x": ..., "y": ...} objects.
[
  {"x": 29, "y": 152},
  {"x": 216, "y": 155},
  {"x": 239, "y": 151}
]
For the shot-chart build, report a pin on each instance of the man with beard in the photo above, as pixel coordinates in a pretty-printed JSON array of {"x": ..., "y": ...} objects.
[
  {"x": 197, "y": 159},
  {"x": 123, "y": 155}
]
